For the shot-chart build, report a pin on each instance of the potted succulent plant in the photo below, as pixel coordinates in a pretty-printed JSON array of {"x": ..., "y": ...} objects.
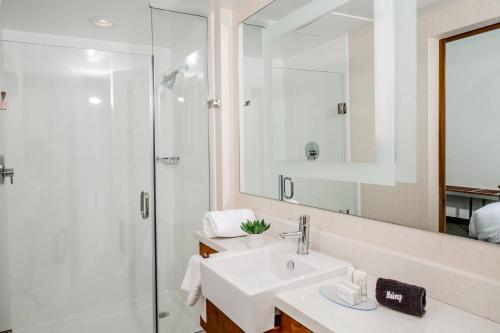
[{"x": 255, "y": 229}]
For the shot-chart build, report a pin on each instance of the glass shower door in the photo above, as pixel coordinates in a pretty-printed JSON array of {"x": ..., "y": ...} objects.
[
  {"x": 182, "y": 149},
  {"x": 78, "y": 133}
]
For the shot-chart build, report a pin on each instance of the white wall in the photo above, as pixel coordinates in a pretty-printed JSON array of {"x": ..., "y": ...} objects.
[
  {"x": 472, "y": 104},
  {"x": 472, "y": 111}
]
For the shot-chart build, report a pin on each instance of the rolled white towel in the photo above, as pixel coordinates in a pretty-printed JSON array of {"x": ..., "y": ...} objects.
[
  {"x": 226, "y": 223},
  {"x": 192, "y": 280}
]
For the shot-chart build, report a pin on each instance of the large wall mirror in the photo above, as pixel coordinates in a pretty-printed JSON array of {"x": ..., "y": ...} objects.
[{"x": 335, "y": 113}]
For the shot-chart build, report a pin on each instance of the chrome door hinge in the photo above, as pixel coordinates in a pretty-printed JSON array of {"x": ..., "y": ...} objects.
[{"x": 213, "y": 103}]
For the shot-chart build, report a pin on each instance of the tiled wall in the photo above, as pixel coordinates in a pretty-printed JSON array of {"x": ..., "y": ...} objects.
[{"x": 461, "y": 272}]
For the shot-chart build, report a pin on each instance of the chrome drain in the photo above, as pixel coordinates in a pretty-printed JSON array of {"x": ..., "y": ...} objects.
[{"x": 163, "y": 314}]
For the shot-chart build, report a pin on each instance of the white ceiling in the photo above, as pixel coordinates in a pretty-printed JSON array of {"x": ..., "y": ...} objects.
[
  {"x": 70, "y": 18},
  {"x": 281, "y": 8},
  {"x": 353, "y": 15}
]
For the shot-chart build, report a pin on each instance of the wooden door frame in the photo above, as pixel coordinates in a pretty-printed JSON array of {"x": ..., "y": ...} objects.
[{"x": 442, "y": 115}]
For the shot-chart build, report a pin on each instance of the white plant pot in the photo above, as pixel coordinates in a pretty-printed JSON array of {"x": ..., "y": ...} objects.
[{"x": 255, "y": 240}]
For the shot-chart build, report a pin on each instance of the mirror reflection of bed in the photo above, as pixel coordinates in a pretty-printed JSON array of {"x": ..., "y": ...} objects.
[
  {"x": 473, "y": 212},
  {"x": 470, "y": 121}
]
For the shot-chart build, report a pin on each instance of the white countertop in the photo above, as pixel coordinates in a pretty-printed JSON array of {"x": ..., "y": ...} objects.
[
  {"x": 307, "y": 306},
  {"x": 234, "y": 243},
  {"x": 311, "y": 309}
]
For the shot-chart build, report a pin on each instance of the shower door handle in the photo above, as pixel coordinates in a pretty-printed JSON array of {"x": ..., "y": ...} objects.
[
  {"x": 292, "y": 188},
  {"x": 144, "y": 205},
  {"x": 5, "y": 172},
  {"x": 282, "y": 180}
]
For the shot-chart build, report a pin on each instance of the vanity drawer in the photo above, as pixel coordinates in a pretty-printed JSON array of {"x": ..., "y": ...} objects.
[
  {"x": 218, "y": 322},
  {"x": 290, "y": 325},
  {"x": 206, "y": 250}
]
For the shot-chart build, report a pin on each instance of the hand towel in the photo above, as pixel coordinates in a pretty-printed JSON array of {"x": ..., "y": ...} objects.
[
  {"x": 401, "y": 297},
  {"x": 192, "y": 280},
  {"x": 226, "y": 223}
]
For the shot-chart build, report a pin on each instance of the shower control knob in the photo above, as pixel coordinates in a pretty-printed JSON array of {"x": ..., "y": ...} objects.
[{"x": 6, "y": 172}]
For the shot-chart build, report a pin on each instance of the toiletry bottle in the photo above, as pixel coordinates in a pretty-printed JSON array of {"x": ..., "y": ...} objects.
[
  {"x": 355, "y": 276},
  {"x": 350, "y": 274},
  {"x": 354, "y": 290},
  {"x": 363, "y": 283},
  {"x": 347, "y": 295}
]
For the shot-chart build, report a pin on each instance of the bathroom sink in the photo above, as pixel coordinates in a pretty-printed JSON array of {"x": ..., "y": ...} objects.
[{"x": 243, "y": 284}]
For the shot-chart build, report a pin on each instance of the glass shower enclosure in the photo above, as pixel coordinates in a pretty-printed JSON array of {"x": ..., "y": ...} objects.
[{"x": 108, "y": 142}]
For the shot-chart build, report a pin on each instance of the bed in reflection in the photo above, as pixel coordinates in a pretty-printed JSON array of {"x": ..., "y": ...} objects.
[{"x": 473, "y": 212}]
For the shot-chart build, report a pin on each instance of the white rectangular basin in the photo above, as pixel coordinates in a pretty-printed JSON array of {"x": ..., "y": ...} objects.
[{"x": 243, "y": 284}]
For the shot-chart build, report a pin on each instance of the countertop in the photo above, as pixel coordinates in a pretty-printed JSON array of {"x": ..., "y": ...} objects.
[{"x": 307, "y": 306}]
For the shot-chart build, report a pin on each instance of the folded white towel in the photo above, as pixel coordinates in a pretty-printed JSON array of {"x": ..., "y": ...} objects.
[
  {"x": 192, "y": 280},
  {"x": 226, "y": 223},
  {"x": 485, "y": 223}
]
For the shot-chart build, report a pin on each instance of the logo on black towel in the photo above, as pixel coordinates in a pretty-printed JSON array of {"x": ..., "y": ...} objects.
[{"x": 394, "y": 296}]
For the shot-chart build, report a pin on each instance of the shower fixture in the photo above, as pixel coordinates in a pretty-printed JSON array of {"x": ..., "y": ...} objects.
[{"x": 169, "y": 80}]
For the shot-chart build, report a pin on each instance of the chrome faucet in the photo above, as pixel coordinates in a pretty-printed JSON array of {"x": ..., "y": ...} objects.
[{"x": 302, "y": 234}]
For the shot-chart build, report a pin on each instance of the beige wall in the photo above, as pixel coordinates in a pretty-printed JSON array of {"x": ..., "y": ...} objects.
[{"x": 472, "y": 268}]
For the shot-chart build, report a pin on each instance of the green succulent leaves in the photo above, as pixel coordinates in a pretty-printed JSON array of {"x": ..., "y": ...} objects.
[{"x": 255, "y": 227}]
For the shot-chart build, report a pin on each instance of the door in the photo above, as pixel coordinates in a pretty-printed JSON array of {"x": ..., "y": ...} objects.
[
  {"x": 78, "y": 133},
  {"x": 182, "y": 149}
]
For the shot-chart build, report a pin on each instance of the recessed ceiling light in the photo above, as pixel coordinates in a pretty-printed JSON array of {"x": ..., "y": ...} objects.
[
  {"x": 102, "y": 22},
  {"x": 92, "y": 55},
  {"x": 94, "y": 100}
]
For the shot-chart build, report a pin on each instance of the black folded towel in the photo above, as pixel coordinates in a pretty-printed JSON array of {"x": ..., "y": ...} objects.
[{"x": 401, "y": 297}]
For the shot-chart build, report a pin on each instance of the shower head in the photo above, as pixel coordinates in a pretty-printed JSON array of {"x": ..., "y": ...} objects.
[{"x": 169, "y": 80}]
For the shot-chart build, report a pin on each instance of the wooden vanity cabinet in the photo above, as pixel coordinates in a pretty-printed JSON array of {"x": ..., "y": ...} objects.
[
  {"x": 206, "y": 250},
  {"x": 218, "y": 322}
]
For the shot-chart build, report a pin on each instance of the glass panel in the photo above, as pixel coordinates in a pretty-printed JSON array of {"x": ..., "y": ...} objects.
[
  {"x": 78, "y": 134},
  {"x": 180, "y": 53},
  {"x": 4, "y": 255}
]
